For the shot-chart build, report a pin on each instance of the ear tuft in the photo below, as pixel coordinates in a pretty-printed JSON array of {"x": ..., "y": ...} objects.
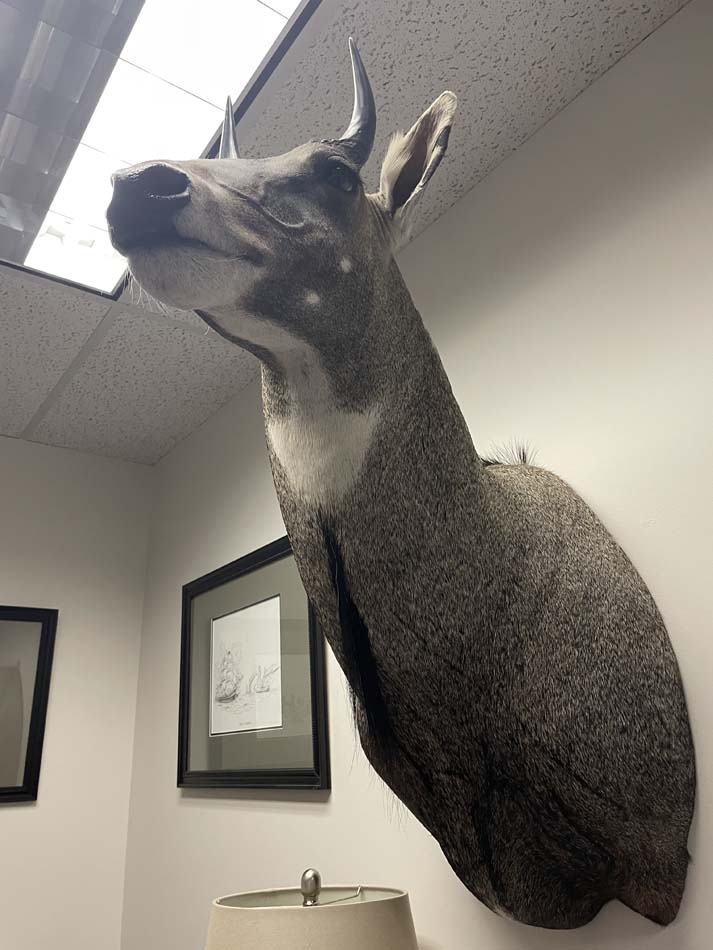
[{"x": 412, "y": 157}]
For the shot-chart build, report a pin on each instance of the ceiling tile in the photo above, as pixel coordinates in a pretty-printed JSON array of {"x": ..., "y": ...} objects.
[
  {"x": 513, "y": 66},
  {"x": 42, "y": 328},
  {"x": 145, "y": 387}
]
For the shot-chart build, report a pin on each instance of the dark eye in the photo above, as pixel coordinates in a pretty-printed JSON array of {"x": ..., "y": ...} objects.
[{"x": 339, "y": 176}]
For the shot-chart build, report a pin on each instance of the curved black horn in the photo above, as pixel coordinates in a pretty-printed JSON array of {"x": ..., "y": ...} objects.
[
  {"x": 359, "y": 134},
  {"x": 228, "y": 138}
]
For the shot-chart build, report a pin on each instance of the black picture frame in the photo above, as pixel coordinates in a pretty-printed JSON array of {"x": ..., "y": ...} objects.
[
  {"x": 317, "y": 777},
  {"x": 47, "y": 618}
]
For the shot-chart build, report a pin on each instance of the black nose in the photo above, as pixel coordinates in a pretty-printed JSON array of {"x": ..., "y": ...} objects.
[{"x": 144, "y": 204}]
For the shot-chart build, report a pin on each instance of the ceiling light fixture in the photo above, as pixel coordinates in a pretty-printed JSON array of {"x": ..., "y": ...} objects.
[{"x": 164, "y": 97}]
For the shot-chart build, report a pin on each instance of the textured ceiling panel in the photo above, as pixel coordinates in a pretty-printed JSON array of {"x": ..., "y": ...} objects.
[
  {"x": 42, "y": 329},
  {"x": 512, "y": 63},
  {"x": 146, "y": 386}
]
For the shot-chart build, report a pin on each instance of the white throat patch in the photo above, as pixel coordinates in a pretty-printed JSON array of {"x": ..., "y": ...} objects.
[{"x": 321, "y": 448}]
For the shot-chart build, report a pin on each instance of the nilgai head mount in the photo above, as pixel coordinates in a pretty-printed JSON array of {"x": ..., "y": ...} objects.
[
  {"x": 513, "y": 681},
  {"x": 235, "y": 239}
]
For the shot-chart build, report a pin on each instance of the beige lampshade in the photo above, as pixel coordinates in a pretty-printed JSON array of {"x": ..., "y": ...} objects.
[{"x": 346, "y": 918}]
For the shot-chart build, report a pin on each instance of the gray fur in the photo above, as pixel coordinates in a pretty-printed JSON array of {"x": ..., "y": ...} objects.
[{"x": 514, "y": 682}]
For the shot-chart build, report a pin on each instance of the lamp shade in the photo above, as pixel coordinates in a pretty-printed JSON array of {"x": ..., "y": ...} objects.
[{"x": 347, "y": 918}]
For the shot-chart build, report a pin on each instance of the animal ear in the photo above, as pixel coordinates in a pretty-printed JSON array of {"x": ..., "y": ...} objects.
[{"x": 412, "y": 158}]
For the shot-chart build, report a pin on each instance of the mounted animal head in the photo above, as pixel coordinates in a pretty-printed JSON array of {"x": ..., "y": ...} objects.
[{"x": 268, "y": 251}]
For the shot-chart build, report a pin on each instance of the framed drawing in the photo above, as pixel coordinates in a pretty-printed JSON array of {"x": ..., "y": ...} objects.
[
  {"x": 26, "y": 647},
  {"x": 252, "y": 708}
]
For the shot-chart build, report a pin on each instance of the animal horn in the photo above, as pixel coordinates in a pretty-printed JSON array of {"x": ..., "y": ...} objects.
[
  {"x": 228, "y": 138},
  {"x": 359, "y": 134}
]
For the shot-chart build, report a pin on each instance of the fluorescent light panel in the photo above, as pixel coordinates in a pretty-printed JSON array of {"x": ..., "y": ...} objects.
[
  {"x": 164, "y": 99},
  {"x": 211, "y": 49}
]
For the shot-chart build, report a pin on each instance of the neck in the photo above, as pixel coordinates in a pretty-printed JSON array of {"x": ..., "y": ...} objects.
[
  {"x": 380, "y": 348},
  {"x": 324, "y": 410}
]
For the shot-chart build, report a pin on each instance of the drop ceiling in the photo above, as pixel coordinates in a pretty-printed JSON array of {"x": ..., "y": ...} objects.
[{"x": 121, "y": 378}]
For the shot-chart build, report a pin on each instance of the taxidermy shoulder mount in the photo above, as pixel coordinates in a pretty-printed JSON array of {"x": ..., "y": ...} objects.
[{"x": 513, "y": 680}]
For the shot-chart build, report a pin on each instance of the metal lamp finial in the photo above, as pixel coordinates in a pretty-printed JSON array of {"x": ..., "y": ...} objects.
[{"x": 311, "y": 886}]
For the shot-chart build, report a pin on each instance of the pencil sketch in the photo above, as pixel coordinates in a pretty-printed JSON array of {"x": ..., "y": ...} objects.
[{"x": 246, "y": 682}]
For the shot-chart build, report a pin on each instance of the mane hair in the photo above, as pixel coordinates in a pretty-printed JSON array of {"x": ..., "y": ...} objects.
[
  {"x": 516, "y": 453},
  {"x": 362, "y": 673}
]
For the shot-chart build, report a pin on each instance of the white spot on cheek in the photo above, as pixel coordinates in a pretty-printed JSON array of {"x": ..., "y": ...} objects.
[
  {"x": 312, "y": 298},
  {"x": 345, "y": 265}
]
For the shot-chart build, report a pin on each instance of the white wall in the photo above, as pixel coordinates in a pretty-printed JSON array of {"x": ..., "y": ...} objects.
[
  {"x": 74, "y": 537},
  {"x": 570, "y": 296}
]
